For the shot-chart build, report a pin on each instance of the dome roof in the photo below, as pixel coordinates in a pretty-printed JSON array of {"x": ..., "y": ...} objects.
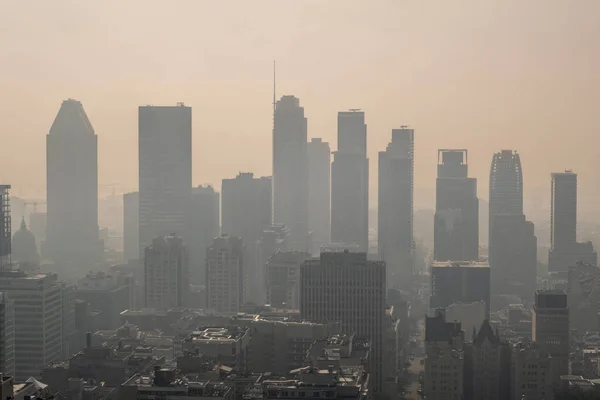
[{"x": 24, "y": 248}]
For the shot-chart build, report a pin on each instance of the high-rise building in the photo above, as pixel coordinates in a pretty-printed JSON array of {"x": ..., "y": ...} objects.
[
  {"x": 225, "y": 274},
  {"x": 246, "y": 213},
  {"x": 131, "y": 226},
  {"x": 395, "y": 211},
  {"x": 444, "y": 359},
  {"x": 283, "y": 279},
  {"x": 319, "y": 193},
  {"x": 565, "y": 251},
  {"x": 166, "y": 273},
  {"x": 38, "y": 320},
  {"x": 456, "y": 226},
  {"x": 290, "y": 170},
  {"x": 345, "y": 287},
  {"x": 165, "y": 171},
  {"x": 5, "y": 227},
  {"x": 583, "y": 295},
  {"x": 460, "y": 282},
  {"x": 72, "y": 188},
  {"x": 7, "y": 335},
  {"x": 350, "y": 182},
  {"x": 550, "y": 329},
  {"x": 512, "y": 241},
  {"x": 204, "y": 227}
]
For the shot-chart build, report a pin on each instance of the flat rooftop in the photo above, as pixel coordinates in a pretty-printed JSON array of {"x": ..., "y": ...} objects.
[
  {"x": 460, "y": 264},
  {"x": 216, "y": 334}
]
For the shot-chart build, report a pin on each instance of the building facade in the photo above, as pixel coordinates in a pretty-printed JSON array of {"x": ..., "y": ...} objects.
[
  {"x": 166, "y": 273},
  {"x": 110, "y": 294},
  {"x": 224, "y": 274},
  {"x": 290, "y": 170},
  {"x": 72, "y": 234},
  {"x": 395, "y": 211},
  {"x": 456, "y": 221},
  {"x": 165, "y": 171},
  {"x": 319, "y": 193},
  {"x": 7, "y": 335},
  {"x": 283, "y": 279},
  {"x": 131, "y": 226},
  {"x": 345, "y": 287},
  {"x": 350, "y": 182},
  {"x": 204, "y": 227}
]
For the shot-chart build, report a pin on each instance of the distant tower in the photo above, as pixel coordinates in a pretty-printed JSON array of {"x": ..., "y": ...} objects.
[
  {"x": 395, "y": 210},
  {"x": 350, "y": 182},
  {"x": 165, "y": 171},
  {"x": 565, "y": 251},
  {"x": 290, "y": 170},
  {"x": 550, "y": 328},
  {"x": 5, "y": 227},
  {"x": 166, "y": 273},
  {"x": 456, "y": 226},
  {"x": 512, "y": 241},
  {"x": 131, "y": 226},
  {"x": 72, "y": 188},
  {"x": 224, "y": 275},
  {"x": 24, "y": 247},
  {"x": 319, "y": 193},
  {"x": 204, "y": 227}
]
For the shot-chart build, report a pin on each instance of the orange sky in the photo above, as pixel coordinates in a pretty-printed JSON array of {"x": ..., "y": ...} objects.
[{"x": 478, "y": 74}]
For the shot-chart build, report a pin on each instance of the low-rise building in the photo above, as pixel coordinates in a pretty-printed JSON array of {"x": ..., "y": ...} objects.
[
  {"x": 226, "y": 345},
  {"x": 108, "y": 293}
]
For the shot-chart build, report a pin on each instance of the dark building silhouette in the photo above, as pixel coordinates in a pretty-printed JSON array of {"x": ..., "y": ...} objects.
[
  {"x": 565, "y": 251},
  {"x": 24, "y": 247},
  {"x": 165, "y": 171},
  {"x": 350, "y": 182},
  {"x": 456, "y": 224},
  {"x": 460, "y": 282},
  {"x": 247, "y": 213},
  {"x": 512, "y": 241},
  {"x": 290, "y": 170},
  {"x": 72, "y": 234},
  {"x": 345, "y": 287},
  {"x": 204, "y": 227},
  {"x": 395, "y": 215},
  {"x": 319, "y": 193},
  {"x": 550, "y": 328},
  {"x": 131, "y": 226}
]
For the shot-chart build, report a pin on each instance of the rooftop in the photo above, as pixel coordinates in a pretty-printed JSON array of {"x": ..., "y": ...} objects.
[
  {"x": 460, "y": 264},
  {"x": 216, "y": 334}
]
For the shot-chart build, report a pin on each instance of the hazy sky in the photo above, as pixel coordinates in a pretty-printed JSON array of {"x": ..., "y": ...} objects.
[{"x": 478, "y": 74}]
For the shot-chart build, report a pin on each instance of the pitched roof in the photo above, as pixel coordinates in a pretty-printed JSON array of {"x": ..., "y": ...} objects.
[{"x": 486, "y": 332}]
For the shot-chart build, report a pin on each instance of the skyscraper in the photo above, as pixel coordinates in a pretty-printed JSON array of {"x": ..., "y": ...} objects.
[
  {"x": 72, "y": 188},
  {"x": 224, "y": 274},
  {"x": 131, "y": 226},
  {"x": 165, "y": 171},
  {"x": 319, "y": 193},
  {"x": 565, "y": 251},
  {"x": 7, "y": 335},
  {"x": 345, "y": 287},
  {"x": 456, "y": 224},
  {"x": 166, "y": 272},
  {"x": 350, "y": 182},
  {"x": 512, "y": 241},
  {"x": 550, "y": 328},
  {"x": 204, "y": 227},
  {"x": 290, "y": 170},
  {"x": 247, "y": 213},
  {"x": 395, "y": 210},
  {"x": 5, "y": 227}
]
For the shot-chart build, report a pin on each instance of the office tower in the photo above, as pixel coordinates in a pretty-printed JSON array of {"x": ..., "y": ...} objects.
[
  {"x": 166, "y": 273},
  {"x": 38, "y": 320},
  {"x": 583, "y": 296},
  {"x": 512, "y": 241},
  {"x": 443, "y": 353},
  {"x": 204, "y": 227},
  {"x": 345, "y": 287},
  {"x": 246, "y": 213},
  {"x": 72, "y": 188},
  {"x": 350, "y": 182},
  {"x": 319, "y": 193},
  {"x": 165, "y": 171},
  {"x": 565, "y": 251},
  {"x": 224, "y": 274},
  {"x": 273, "y": 239},
  {"x": 24, "y": 248},
  {"x": 290, "y": 170},
  {"x": 456, "y": 226},
  {"x": 395, "y": 210},
  {"x": 131, "y": 226},
  {"x": 283, "y": 279},
  {"x": 108, "y": 293},
  {"x": 460, "y": 282},
  {"x": 5, "y": 227},
  {"x": 550, "y": 328},
  {"x": 7, "y": 335}
]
